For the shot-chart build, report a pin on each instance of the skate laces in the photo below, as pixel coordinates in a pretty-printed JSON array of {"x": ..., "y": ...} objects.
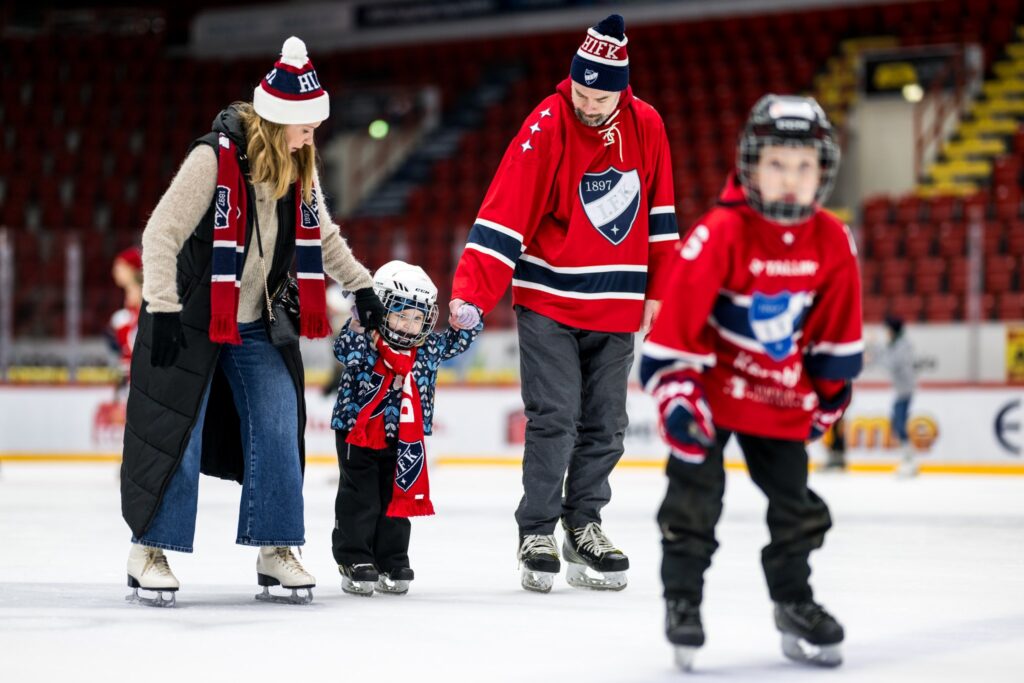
[
  {"x": 288, "y": 559},
  {"x": 592, "y": 539},
  {"x": 811, "y": 612},
  {"x": 157, "y": 561},
  {"x": 538, "y": 544}
]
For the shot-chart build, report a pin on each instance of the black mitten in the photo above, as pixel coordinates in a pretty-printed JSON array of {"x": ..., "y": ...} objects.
[
  {"x": 370, "y": 309},
  {"x": 168, "y": 339}
]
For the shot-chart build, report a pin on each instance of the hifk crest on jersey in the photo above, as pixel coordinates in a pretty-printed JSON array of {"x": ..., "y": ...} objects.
[
  {"x": 611, "y": 200},
  {"x": 410, "y": 463},
  {"x": 376, "y": 385},
  {"x": 222, "y": 207},
  {"x": 773, "y": 319}
]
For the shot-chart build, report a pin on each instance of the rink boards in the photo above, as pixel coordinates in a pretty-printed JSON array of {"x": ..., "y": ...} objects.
[{"x": 964, "y": 429}]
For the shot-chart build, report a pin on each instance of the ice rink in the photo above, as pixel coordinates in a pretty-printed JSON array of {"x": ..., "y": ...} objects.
[{"x": 926, "y": 575}]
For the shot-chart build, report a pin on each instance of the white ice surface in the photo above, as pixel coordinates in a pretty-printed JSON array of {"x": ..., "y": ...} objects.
[{"x": 926, "y": 575}]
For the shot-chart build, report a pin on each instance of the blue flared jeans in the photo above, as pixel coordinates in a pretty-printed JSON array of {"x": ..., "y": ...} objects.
[{"x": 271, "y": 509}]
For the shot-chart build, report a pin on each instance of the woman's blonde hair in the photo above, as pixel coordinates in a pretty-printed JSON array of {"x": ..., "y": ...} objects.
[{"x": 269, "y": 158}]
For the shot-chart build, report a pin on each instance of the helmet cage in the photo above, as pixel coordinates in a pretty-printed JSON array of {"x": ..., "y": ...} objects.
[
  {"x": 763, "y": 129},
  {"x": 398, "y": 302}
]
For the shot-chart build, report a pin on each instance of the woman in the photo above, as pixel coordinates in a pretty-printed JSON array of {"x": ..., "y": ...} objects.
[{"x": 210, "y": 393}]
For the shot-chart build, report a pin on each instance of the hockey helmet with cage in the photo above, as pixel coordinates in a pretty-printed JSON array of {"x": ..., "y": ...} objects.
[
  {"x": 787, "y": 121},
  {"x": 400, "y": 287}
]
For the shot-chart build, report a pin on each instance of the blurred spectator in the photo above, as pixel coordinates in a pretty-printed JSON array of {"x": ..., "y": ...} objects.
[{"x": 127, "y": 274}]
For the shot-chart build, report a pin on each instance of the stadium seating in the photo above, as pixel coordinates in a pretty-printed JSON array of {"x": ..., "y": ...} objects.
[{"x": 104, "y": 121}]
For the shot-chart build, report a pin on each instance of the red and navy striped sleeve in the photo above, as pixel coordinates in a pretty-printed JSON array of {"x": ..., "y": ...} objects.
[{"x": 512, "y": 209}]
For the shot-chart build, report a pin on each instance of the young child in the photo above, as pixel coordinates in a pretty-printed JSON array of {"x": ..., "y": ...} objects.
[
  {"x": 762, "y": 340},
  {"x": 384, "y": 410}
]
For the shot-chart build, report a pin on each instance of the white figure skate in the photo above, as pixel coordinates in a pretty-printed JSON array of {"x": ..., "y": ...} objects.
[
  {"x": 278, "y": 566},
  {"x": 148, "y": 570}
]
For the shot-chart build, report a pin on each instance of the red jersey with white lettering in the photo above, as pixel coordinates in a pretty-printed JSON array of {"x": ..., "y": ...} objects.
[
  {"x": 124, "y": 324},
  {"x": 581, "y": 220},
  {"x": 770, "y": 314}
]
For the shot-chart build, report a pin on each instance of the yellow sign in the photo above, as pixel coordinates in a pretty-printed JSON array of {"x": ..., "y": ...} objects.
[
  {"x": 874, "y": 432},
  {"x": 1015, "y": 355},
  {"x": 894, "y": 75}
]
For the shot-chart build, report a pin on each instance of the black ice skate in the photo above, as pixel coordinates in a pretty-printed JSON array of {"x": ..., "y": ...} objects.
[
  {"x": 538, "y": 558},
  {"x": 396, "y": 581},
  {"x": 148, "y": 571},
  {"x": 684, "y": 630},
  {"x": 358, "y": 579},
  {"x": 809, "y": 633},
  {"x": 278, "y": 566},
  {"x": 594, "y": 562}
]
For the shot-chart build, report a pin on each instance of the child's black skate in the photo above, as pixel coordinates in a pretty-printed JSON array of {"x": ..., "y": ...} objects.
[
  {"x": 809, "y": 633},
  {"x": 538, "y": 558},
  {"x": 358, "y": 579},
  {"x": 594, "y": 562},
  {"x": 396, "y": 581},
  {"x": 684, "y": 630}
]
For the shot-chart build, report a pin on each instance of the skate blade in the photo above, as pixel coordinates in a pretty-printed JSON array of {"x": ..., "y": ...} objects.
[
  {"x": 163, "y": 598},
  {"x": 799, "y": 650},
  {"x": 295, "y": 598},
  {"x": 582, "y": 576},
  {"x": 538, "y": 582},
  {"x": 360, "y": 588},
  {"x": 684, "y": 656},
  {"x": 392, "y": 587}
]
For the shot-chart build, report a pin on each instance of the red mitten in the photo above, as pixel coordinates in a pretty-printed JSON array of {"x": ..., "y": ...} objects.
[
  {"x": 829, "y": 411},
  {"x": 684, "y": 418}
]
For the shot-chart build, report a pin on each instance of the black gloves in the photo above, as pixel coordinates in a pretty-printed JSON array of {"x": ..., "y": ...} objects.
[
  {"x": 168, "y": 338},
  {"x": 370, "y": 309}
]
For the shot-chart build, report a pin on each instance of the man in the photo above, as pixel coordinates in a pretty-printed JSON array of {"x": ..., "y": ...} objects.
[{"x": 580, "y": 218}]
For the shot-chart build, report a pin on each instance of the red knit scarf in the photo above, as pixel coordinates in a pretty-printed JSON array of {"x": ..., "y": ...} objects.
[
  {"x": 229, "y": 226},
  {"x": 411, "y": 491}
]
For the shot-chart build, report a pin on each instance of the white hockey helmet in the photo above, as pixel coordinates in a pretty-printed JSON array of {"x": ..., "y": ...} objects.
[{"x": 401, "y": 286}]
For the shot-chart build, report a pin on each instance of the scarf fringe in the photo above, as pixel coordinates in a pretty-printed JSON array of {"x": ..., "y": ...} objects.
[
  {"x": 314, "y": 325},
  {"x": 361, "y": 436},
  {"x": 224, "y": 330},
  {"x": 410, "y": 508}
]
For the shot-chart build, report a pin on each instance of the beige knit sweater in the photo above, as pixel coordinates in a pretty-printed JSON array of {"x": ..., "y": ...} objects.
[{"x": 179, "y": 212}]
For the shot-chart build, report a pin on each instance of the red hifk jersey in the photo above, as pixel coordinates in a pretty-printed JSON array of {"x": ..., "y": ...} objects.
[
  {"x": 580, "y": 219},
  {"x": 770, "y": 314}
]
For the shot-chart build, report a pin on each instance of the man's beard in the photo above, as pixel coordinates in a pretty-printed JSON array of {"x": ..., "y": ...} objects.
[{"x": 591, "y": 121}]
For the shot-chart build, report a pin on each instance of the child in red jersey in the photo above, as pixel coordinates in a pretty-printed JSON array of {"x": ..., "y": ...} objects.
[{"x": 762, "y": 340}]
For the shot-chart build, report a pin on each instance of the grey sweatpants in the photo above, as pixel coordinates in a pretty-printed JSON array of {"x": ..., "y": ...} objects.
[{"x": 574, "y": 392}]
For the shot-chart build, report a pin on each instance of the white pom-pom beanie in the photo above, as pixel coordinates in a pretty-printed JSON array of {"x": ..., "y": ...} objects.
[{"x": 291, "y": 91}]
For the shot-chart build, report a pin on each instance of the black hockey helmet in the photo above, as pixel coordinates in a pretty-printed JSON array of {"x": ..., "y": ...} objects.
[{"x": 787, "y": 121}]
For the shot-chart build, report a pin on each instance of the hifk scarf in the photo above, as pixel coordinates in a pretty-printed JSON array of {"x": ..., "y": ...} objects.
[
  {"x": 229, "y": 226},
  {"x": 411, "y": 490}
]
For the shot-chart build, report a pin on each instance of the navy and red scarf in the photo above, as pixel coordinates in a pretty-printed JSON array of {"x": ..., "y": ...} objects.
[
  {"x": 229, "y": 226},
  {"x": 411, "y": 490}
]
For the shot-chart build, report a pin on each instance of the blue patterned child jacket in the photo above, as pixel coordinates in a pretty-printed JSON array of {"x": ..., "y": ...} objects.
[{"x": 358, "y": 355}]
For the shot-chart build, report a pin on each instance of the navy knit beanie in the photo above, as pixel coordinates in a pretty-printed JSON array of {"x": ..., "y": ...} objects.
[{"x": 601, "y": 62}]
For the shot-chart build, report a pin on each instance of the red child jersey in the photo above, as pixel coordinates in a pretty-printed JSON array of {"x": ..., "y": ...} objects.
[
  {"x": 580, "y": 219},
  {"x": 770, "y": 314}
]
